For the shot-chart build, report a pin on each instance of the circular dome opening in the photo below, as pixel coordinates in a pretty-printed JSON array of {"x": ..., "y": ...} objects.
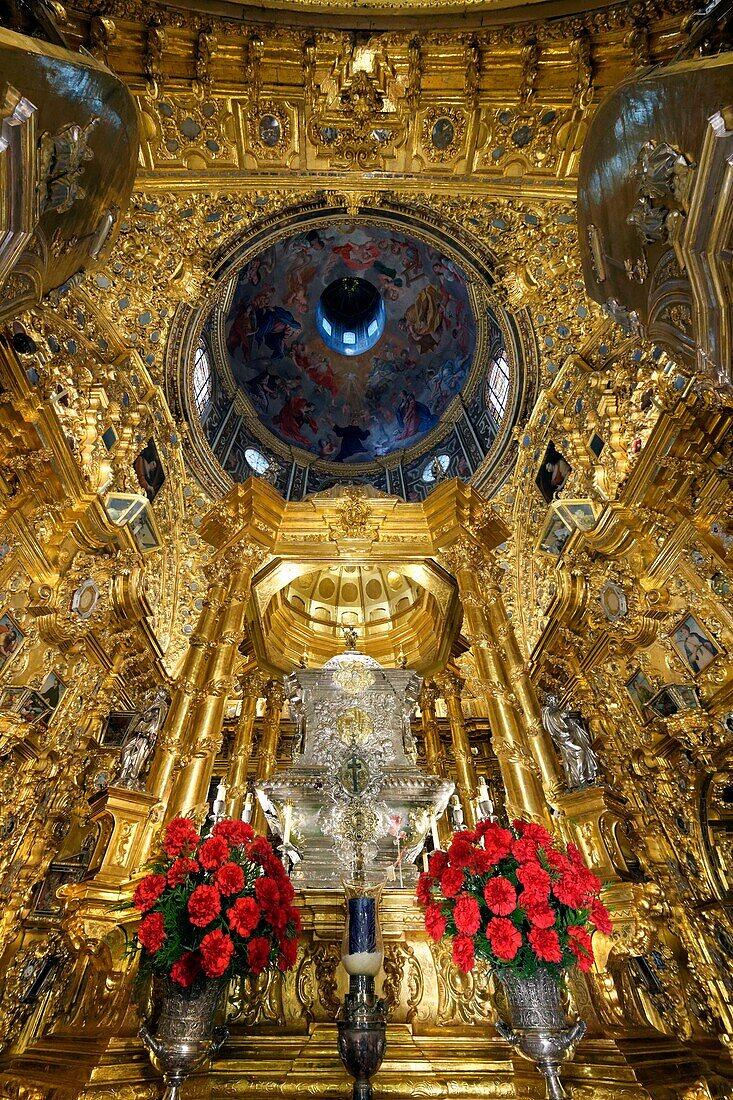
[{"x": 350, "y": 315}]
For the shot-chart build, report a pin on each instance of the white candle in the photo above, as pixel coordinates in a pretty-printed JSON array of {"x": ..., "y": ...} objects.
[
  {"x": 424, "y": 861},
  {"x": 434, "y": 831},
  {"x": 248, "y": 807},
  {"x": 287, "y": 823}
]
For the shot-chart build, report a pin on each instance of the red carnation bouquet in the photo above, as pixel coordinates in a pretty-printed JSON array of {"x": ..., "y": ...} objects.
[
  {"x": 514, "y": 898},
  {"x": 215, "y": 907}
]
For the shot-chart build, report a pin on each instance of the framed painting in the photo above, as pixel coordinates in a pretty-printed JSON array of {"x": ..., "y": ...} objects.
[
  {"x": 149, "y": 470},
  {"x": 555, "y": 534},
  {"x": 641, "y": 691},
  {"x": 34, "y": 709},
  {"x": 52, "y": 690},
  {"x": 11, "y": 638},
  {"x": 694, "y": 645},
  {"x": 553, "y": 473},
  {"x": 115, "y": 728}
]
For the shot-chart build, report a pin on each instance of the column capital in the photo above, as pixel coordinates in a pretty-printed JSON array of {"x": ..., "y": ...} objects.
[
  {"x": 428, "y": 694},
  {"x": 252, "y": 684},
  {"x": 450, "y": 684},
  {"x": 274, "y": 693}
]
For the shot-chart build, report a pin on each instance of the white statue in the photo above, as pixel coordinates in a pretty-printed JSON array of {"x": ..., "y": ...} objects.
[
  {"x": 573, "y": 741},
  {"x": 140, "y": 741}
]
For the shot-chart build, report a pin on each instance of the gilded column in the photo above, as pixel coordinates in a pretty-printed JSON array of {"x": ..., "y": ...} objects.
[
  {"x": 450, "y": 685},
  {"x": 434, "y": 756},
  {"x": 521, "y": 776},
  {"x": 236, "y": 780},
  {"x": 193, "y": 735},
  {"x": 267, "y": 755}
]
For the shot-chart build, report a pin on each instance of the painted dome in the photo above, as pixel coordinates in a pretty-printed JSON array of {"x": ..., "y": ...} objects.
[{"x": 337, "y": 402}]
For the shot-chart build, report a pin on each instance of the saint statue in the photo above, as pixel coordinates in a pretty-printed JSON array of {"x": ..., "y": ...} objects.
[
  {"x": 573, "y": 741},
  {"x": 140, "y": 741}
]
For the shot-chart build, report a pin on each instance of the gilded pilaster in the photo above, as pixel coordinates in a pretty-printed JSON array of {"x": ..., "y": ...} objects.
[
  {"x": 450, "y": 685},
  {"x": 199, "y": 739},
  {"x": 267, "y": 755},
  {"x": 434, "y": 755},
  {"x": 468, "y": 563},
  {"x": 236, "y": 780}
]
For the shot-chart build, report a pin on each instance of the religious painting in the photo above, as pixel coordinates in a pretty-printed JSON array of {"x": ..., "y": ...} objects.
[
  {"x": 115, "y": 728},
  {"x": 149, "y": 470},
  {"x": 582, "y": 514},
  {"x": 675, "y": 698},
  {"x": 344, "y": 407},
  {"x": 640, "y": 690},
  {"x": 52, "y": 690},
  {"x": 45, "y": 901},
  {"x": 694, "y": 644},
  {"x": 11, "y": 699},
  {"x": 33, "y": 708},
  {"x": 11, "y": 638},
  {"x": 555, "y": 534},
  {"x": 553, "y": 473}
]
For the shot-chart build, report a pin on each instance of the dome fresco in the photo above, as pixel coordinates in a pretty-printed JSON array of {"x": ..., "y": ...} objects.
[{"x": 342, "y": 407}]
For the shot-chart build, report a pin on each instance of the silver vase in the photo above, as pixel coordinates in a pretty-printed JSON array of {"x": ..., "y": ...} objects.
[
  {"x": 185, "y": 1035},
  {"x": 539, "y": 1029}
]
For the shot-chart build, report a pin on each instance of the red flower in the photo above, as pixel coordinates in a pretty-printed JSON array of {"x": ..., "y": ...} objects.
[
  {"x": 151, "y": 932},
  {"x": 147, "y": 892},
  {"x": 451, "y": 882},
  {"x": 216, "y": 951},
  {"x": 213, "y": 853},
  {"x": 497, "y": 842},
  {"x": 230, "y": 878},
  {"x": 288, "y": 954},
  {"x": 424, "y": 884},
  {"x": 534, "y": 879},
  {"x": 187, "y": 969},
  {"x": 600, "y": 917},
  {"x": 467, "y": 915},
  {"x": 259, "y": 850},
  {"x": 258, "y": 954},
  {"x": 504, "y": 937},
  {"x": 437, "y": 863},
  {"x": 244, "y": 916},
  {"x": 538, "y": 913},
  {"x": 267, "y": 893},
  {"x": 570, "y": 890},
  {"x": 180, "y": 870},
  {"x": 235, "y": 832},
  {"x": 500, "y": 896},
  {"x": 181, "y": 836},
  {"x": 204, "y": 905},
  {"x": 558, "y": 861},
  {"x": 580, "y": 944},
  {"x": 574, "y": 855},
  {"x": 286, "y": 889},
  {"x": 535, "y": 832},
  {"x": 463, "y": 955},
  {"x": 546, "y": 944},
  {"x": 294, "y": 919},
  {"x": 435, "y": 922},
  {"x": 460, "y": 852},
  {"x": 524, "y": 850}
]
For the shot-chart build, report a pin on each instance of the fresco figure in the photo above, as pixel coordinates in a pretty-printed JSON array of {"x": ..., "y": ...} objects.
[
  {"x": 353, "y": 439},
  {"x": 296, "y": 412},
  {"x": 413, "y": 417},
  {"x": 357, "y": 257},
  {"x": 424, "y": 319}
]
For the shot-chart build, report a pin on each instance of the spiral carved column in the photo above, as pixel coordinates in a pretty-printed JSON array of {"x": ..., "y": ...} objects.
[
  {"x": 434, "y": 755},
  {"x": 267, "y": 755},
  {"x": 450, "y": 685},
  {"x": 468, "y": 563},
  {"x": 252, "y": 684},
  {"x": 197, "y": 741}
]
